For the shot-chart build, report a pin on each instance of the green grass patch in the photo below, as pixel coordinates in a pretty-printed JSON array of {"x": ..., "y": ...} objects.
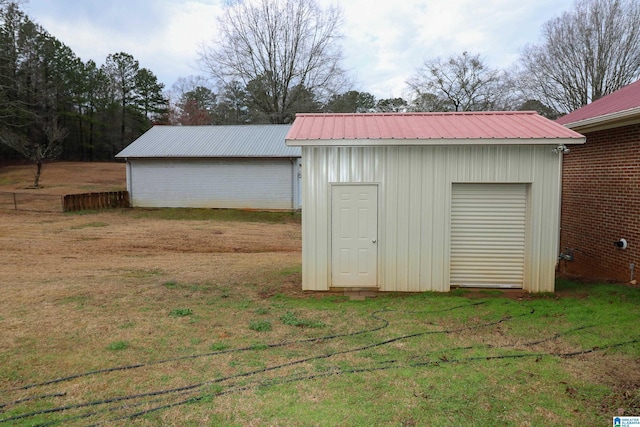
[
  {"x": 218, "y": 346},
  {"x": 180, "y": 312},
  {"x": 260, "y": 325},
  {"x": 479, "y": 358},
  {"x": 127, "y": 325},
  {"x": 194, "y": 214},
  {"x": 292, "y": 320},
  {"x": 118, "y": 346},
  {"x": 171, "y": 284},
  {"x": 193, "y": 287},
  {"x": 261, "y": 311},
  {"x": 259, "y": 346},
  {"x": 96, "y": 224},
  {"x": 290, "y": 271}
]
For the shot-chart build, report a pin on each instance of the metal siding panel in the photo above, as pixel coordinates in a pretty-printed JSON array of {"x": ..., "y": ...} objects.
[
  {"x": 545, "y": 202},
  {"x": 255, "y": 184},
  {"x": 323, "y": 171},
  {"x": 319, "y": 255},
  {"x": 390, "y": 243},
  {"x": 488, "y": 230},
  {"x": 403, "y": 230},
  {"x": 426, "y": 258},
  {"x": 416, "y": 167},
  {"x": 310, "y": 226},
  {"x": 440, "y": 196},
  {"x": 344, "y": 164},
  {"x": 429, "y": 217}
]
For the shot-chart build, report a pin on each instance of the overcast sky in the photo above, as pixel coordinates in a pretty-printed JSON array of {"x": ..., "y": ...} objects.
[{"x": 385, "y": 40}]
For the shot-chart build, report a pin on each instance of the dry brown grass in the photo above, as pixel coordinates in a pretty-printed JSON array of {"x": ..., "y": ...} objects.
[
  {"x": 65, "y": 178},
  {"x": 72, "y": 284}
]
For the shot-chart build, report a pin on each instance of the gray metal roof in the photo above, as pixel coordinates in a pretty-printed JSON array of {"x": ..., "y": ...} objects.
[{"x": 212, "y": 141}]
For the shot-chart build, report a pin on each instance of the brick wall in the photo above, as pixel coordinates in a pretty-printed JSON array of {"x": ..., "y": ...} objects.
[{"x": 601, "y": 203}]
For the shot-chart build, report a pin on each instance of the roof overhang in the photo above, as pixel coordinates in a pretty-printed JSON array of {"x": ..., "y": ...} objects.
[
  {"x": 607, "y": 121},
  {"x": 431, "y": 142},
  {"x": 169, "y": 157}
]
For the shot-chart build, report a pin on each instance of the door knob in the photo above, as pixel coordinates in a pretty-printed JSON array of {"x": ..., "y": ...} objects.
[{"x": 373, "y": 241}]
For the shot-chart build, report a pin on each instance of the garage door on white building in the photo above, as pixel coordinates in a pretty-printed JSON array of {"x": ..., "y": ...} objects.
[{"x": 488, "y": 235}]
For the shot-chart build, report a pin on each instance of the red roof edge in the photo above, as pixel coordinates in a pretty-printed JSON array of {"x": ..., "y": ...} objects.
[{"x": 624, "y": 99}]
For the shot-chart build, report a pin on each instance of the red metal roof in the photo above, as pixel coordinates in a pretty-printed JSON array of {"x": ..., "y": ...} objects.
[
  {"x": 411, "y": 128},
  {"x": 626, "y": 98}
]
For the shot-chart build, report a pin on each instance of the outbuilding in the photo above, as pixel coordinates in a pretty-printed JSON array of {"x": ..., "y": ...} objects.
[
  {"x": 415, "y": 202},
  {"x": 240, "y": 167},
  {"x": 600, "y": 234}
]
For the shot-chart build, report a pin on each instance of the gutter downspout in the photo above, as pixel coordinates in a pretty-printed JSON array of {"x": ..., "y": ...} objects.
[
  {"x": 293, "y": 183},
  {"x": 129, "y": 178},
  {"x": 561, "y": 157}
]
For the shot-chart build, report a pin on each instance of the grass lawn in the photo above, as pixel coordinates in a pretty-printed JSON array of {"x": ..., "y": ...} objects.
[
  {"x": 200, "y": 321},
  {"x": 225, "y": 356}
]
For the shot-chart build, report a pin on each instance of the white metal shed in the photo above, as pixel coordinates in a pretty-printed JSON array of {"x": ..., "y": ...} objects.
[
  {"x": 240, "y": 167},
  {"x": 426, "y": 201}
]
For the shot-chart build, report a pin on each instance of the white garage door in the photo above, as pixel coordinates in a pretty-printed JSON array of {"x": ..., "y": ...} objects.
[{"x": 488, "y": 235}]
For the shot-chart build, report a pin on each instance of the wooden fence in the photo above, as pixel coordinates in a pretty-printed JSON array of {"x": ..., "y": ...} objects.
[{"x": 95, "y": 201}]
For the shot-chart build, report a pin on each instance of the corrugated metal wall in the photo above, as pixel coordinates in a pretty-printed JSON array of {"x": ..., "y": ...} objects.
[
  {"x": 414, "y": 207},
  {"x": 214, "y": 183}
]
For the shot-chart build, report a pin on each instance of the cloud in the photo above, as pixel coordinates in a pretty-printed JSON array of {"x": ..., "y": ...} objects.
[
  {"x": 384, "y": 41},
  {"x": 163, "y": 35},
  {"x": 388, "y": 41}
]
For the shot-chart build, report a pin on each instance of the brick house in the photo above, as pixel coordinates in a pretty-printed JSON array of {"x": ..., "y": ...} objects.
[{"x": 601, "y": 189}]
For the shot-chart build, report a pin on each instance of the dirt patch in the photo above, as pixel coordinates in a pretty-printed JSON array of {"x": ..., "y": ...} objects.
[{"x": 37, "y": 247}]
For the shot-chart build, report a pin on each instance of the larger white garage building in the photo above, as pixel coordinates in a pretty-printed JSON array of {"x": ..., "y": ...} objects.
[{"x": 241, "y": 167}]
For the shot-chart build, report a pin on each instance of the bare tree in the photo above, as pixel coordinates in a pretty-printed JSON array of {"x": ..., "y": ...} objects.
[
  {"x": 33, "y": 67},
  {"x": 459, "y": 83},
  {"x": 586, "y": 53},
  {"x": 275, "y": 48},
  {"x": 38, "y": 148}
]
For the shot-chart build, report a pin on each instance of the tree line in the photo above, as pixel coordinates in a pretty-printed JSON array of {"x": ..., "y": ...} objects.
[
  {"x": 52, "y": 104},
  {"x": 275, "y": 58}
]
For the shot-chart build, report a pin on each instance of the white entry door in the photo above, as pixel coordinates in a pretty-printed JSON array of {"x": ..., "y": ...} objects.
[{"x": 354, "y": 235}]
